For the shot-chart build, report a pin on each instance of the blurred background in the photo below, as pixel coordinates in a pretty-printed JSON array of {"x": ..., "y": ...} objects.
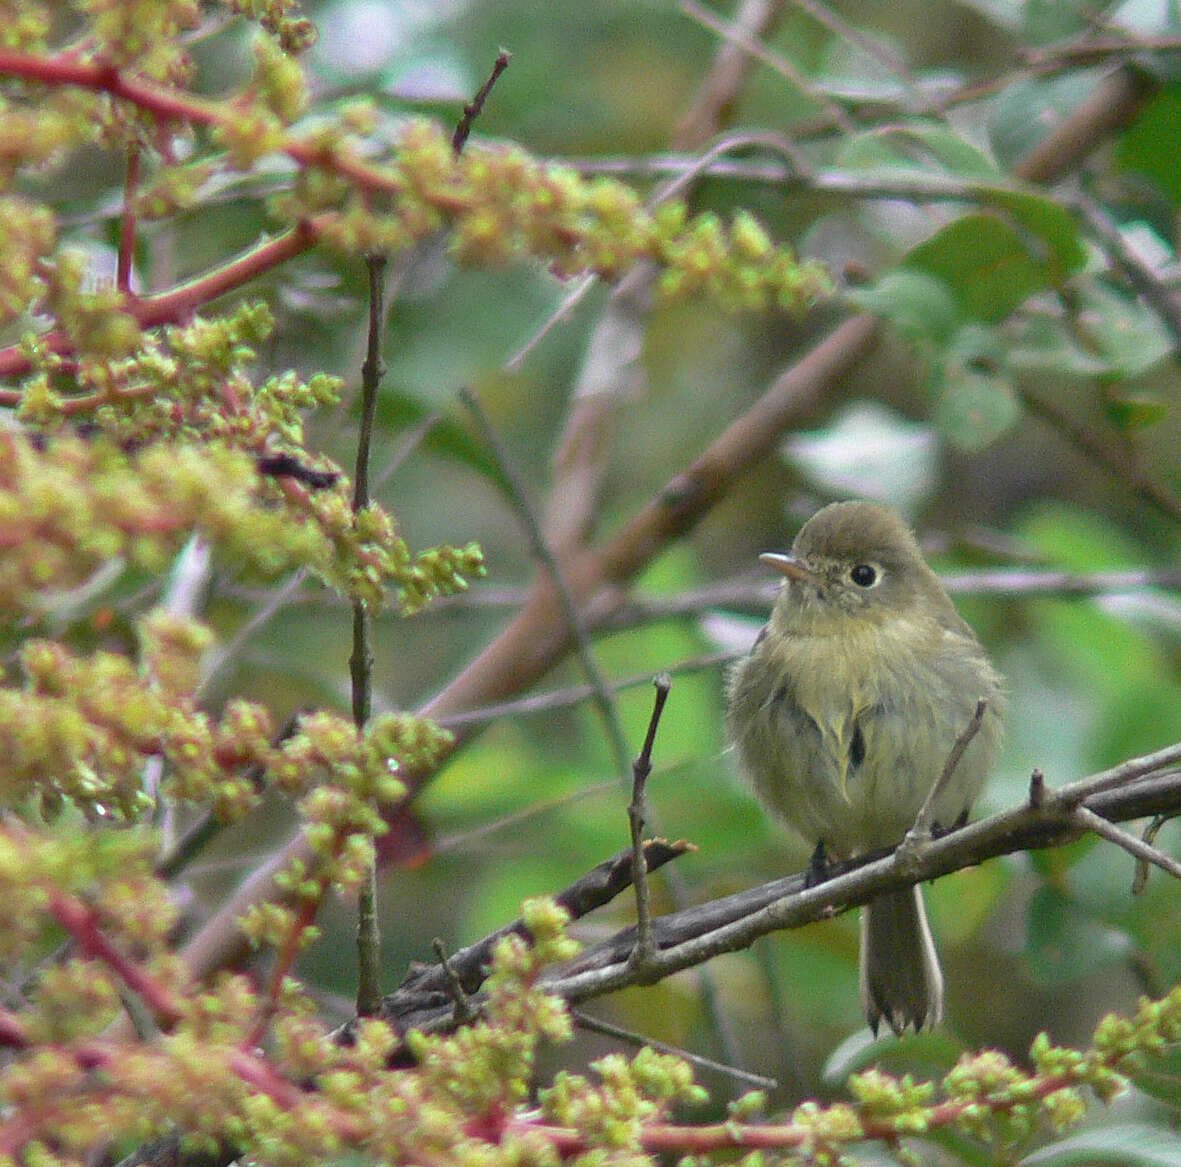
[{"x": 1041, "y": 941}]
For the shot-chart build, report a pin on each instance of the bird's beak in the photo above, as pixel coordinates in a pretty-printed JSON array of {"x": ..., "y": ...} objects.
[{"x": 792, "y": 568}]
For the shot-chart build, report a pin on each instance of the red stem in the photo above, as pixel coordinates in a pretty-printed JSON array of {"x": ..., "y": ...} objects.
[
  {"x": 127, "y": 227},
  {"x": 81, "y": 922},
  {"x": 180, "y": 302}
]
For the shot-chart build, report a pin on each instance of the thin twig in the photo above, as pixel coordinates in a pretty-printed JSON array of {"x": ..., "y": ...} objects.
[
  {"x": 1133, "y": 844},
  {"x": 1124, "y": 469},
  {"x": 920, "y": 833},
  {"x": 596, "y": 1025},
  {"x": 361, "y": 660},
  {"x": 687, "y": 938},
  {"x": 641, "y": 768},
  {"x": 1162, "y": 301},
  {"x": 472, "y": 110},
  {"x": 739, "y": 37},
  {"x": 602, "y": 696},
  {"x": 1151, "y": 831},
  {"x": 719, "y": 90},
  {"x": 576, "y": 694},
  {"x": 463, "y": 1010},
  {"x": 875, "y": 49}
]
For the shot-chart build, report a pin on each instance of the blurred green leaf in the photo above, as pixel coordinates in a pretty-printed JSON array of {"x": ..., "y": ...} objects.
[
  {"x": 1126, "y": 333},
  {"x": 920, "y": 306},
  {"x": 1064, "y": 944},
  {"x": 926, "y": 1055},
  {"x": 1047, "y": 346},
  {"x": 920, "y": 146},
  {"x": 1135, "y": 1144},
  {"x": 1160, "y": 1078},
  {"x": 1052, "y": 226},
  {"x": 1150, "y": 146},
  {"x": 976, "y": 402},
  {"x": 1136, "y": 411},
  {"x": 985, "y": 263}
]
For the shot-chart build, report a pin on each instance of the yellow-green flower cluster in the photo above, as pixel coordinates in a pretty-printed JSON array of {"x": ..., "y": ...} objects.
[
  {"x": 80, "y": 729},
  {"x": 143, "y": 35},
  {"x": 500, "y": 204},
  {"x": 27, "y": 234},
  {"x": 281, "y": 18}
]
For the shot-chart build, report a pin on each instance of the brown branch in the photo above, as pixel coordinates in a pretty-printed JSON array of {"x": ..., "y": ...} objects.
[
  {"x": 472, "y": 110},
  {"x": 429, "y": 986},
  {"x": 713, "y": 105},
  {"x": 1113, "y": 103},
  {"x": 1123, "y": 467},
  {"x": 684, "y": 939},
  {"x": 636, "y": 813}
]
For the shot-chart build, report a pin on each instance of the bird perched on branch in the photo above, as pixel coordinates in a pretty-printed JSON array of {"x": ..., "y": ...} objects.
[{"x": 844, "y": 716}]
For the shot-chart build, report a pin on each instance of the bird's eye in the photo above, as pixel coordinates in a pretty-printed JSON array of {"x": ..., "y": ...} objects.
[{"x": 864, "y": 575}]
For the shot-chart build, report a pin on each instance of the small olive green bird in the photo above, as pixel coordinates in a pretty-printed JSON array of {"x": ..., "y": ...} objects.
[{"x": 844, "y": 714}]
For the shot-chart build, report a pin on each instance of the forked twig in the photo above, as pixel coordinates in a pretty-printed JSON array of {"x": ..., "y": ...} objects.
[
  {"x": 921, "y": 831},
  {"x": 641, "y": 768}
]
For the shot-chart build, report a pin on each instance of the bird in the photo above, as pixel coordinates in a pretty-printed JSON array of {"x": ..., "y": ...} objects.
[{"x": 843, "y": 716}]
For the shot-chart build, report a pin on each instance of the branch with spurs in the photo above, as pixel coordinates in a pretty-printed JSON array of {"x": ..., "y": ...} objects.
[{"x": 1140, "y": 787}]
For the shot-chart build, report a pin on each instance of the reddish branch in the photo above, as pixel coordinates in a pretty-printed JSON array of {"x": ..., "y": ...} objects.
[
  {"x": 177, "y": 304},
  {"x": 82, "y": 923}
]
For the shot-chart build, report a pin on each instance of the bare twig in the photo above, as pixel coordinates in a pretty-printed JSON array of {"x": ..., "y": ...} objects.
[
  {"x": 1138, "y": 787},
  {"x": 602, "y": 696},
  {"x": 738, "y": 36},
  {"x": 636, "y": 812},
  {"x": 596, "y": 1025},
  {"x": 472, "y": 110},
  {"x": 1162, "y": 301},
  {"x": 1125, "y": 469},
  {"x": 1140, "y": 880},
  {"x": 920, "y": 833},
  {"x": 1144, "y": 851},
  {"x": 463, "y": 1007},
  {"x": 361, "y": 659}
]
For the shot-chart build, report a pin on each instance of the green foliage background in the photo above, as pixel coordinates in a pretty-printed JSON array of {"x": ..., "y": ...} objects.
[{"x": 1005, "y": 297}]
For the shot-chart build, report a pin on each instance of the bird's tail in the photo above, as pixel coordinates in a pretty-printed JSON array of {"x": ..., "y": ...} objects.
[{"x": 900, "y": 976}]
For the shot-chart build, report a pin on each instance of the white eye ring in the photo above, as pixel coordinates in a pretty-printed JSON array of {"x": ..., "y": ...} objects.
[{"x": 866, "y": 575}]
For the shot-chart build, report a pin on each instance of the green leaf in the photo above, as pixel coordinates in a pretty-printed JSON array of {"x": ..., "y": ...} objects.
[
  {"x": 921, "y": 307},
  {"x": 920, "y": 146},
  {"x": 1136, "y": 1144},
  {"x": 1051, "y": 225},
  {"x": 1043, "y": 345},
  {"x": 986, "y": 264},
  {"x": 976, "y": 400},
  {"x": 1127, "y": 335},
  {"x": 1136, "y": 411},
  {"x": 1160, "y": 1077},
  {"x": 1150, "y": 146},
  {"x": 925, "y": 1055}
]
